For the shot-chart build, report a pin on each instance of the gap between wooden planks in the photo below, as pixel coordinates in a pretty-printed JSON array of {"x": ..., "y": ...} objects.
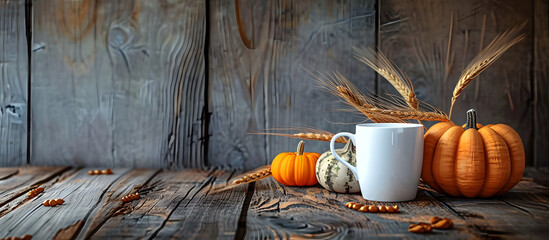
[
  {"x": 93, "y": 210},
  {"x": 178, "y": 204}
]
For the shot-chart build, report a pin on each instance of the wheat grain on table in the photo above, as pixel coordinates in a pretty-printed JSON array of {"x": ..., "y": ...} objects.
[{"x": 182, "y": 205}]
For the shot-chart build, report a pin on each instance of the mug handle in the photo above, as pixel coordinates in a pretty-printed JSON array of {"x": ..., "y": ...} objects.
[{"x": 351, "y": 138}]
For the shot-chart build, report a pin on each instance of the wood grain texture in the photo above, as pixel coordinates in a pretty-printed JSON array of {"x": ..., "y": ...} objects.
[
  {"x": 181, "y": 205},
  {"x": 415, "y": 35},
  {"x": 278, "y": 211},
  {"x": 8, "y": 172},
  {"x": 519, "y": 211},
  {"x": 118, "y": 83},
  {"x": 24, "y": 180},
  {"x": 82, "y": 194},
  {"x": 21, "y": 198},
  {"x": 541, "y": 82},
  {"x": 13, "y": 84},
  {"x": 165, "y": 193},
  {"x": 256, "y": 75},
  {"x": 201, "y": 218},
  {"x": 110, "y": 204}
]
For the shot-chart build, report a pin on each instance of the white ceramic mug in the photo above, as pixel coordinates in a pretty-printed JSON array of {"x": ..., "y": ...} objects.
[{"x": 389, "y": 158}]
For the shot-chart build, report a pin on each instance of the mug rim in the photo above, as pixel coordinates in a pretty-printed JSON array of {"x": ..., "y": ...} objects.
[{"x": 389, "y": 125}]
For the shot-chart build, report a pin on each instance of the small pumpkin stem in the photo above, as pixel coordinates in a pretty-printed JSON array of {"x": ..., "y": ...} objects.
[
  {"x": 471, "y": 119},
  {"x": 300, "y": 148}
]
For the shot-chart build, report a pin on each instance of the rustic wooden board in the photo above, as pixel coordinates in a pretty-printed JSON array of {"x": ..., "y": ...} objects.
[
  {"x": 523, "y": 210},
  {"x": 182, "y": 205},
  {"x": 159, "y": 199},
  {"x": 414, "y": 34},
  {"x": 13, "y": 83},
  {"x": 82, "y": 194},
  {"x": 111, "y": 203},
  {"x": 256, "y": 78},
  {"x": 118, "y": 83},
  {"x": 201, "y": 217},
  {"x": 541, "y": 82},
  {"x": 277, "y": 211},
  {"x": 8, "y": 172},
  {"x": 538, "y": 175},
  {"x": 27, "y": 178},
  {"x": 19, "y": 200}
]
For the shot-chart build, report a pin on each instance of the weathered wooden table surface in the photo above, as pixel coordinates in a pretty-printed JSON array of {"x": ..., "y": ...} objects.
[{"x": 181, "y": 205}]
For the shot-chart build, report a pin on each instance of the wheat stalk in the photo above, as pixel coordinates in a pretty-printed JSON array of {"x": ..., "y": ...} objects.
[
  {"x": 305, "y": 134},
  {"x": 244, "y": 178},
  {"x": 487, "y": 56},
  {"x": 409, "y": 113},
  {"x": 379, "y": 63},
  {"x": 341, "y": 87},
  {"x": 308, "y": 136},
  {"x": 364, "y": 105},
  {"x": 377, "y": 109}
]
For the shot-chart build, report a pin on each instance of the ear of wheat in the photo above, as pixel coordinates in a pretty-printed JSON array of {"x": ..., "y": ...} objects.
[
  {"x": 379, "y": 63},
  {"x": 411, "y": 113},
  {"x": 341, "y": 87},
  {"x": 487, "y": 56},
  {"x": 305, "y": 134},
  {"x": 244, "y": 178},
  {"x": 377, "y": 109}
]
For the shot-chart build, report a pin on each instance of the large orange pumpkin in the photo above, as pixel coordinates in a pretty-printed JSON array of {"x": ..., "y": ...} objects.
[
  {"x": 295, "y": 169},
  {"x": 472, "y": 161}
]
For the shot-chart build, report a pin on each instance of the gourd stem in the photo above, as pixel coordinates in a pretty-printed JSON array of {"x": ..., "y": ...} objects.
[
  {"x": 300, "y": 148},
  {"x": 471, "y": 119}
]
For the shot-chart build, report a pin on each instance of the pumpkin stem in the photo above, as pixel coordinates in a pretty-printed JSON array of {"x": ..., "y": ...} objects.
[
  {"x": 300, "y": 148},
  {"x": 471, "y": 120}
]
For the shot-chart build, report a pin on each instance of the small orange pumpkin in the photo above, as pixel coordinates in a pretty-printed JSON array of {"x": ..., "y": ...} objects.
[
  {"x": 295, "y": 169},
  {"x": 475, "y": 161}
]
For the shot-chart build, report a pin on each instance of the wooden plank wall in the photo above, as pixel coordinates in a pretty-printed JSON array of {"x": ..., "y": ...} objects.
[
  {"x": 13, "y": 83},
  {"x": 256, "y": 77},
  {"x": 118, "y": 83},
  {"x": 541, "y": 82},
  {"x": 138, "y": 83},
  {"x": 416, "y": 35}
]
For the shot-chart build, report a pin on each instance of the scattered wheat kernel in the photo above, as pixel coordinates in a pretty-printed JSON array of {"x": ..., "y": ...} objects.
[
  {"x": 46, "y": 203},
  {"x": 395, "y": 207},
  {"x": 441, "y": 223},
  {"x": 357, "y": 206},
  {"x": 415, "y": 228},
  {"x": 363, "y": 208},
  {"x": 349, "y": 205},
  {"x": 27, "y": 237},
  {"x": 59, "y": 201},
  {"x": 91, "y": 172},
  {"x": 39, "y": 189},
  {"x": 53, "y": 203},
  {"x": 137, "y": 195},
  {"x": 382, "y": 208},
  {"x": 96, "y": 172},
  {"x": 426, "y": 226},
  {"x": 435, "y": 219},
  {"x": 372, "y": 209},
  {"x": 390, "y": 209}
]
